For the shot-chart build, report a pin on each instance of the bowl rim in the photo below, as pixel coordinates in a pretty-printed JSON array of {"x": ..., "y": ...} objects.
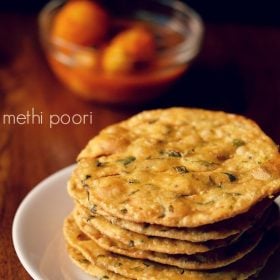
[{"x": 182, "y": 53}]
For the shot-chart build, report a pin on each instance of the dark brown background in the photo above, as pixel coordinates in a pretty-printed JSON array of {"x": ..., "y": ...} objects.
[{"x": 238, "y": 71}]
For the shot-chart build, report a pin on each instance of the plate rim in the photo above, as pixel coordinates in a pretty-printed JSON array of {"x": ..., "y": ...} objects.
[{"x": 26, "y": 263}]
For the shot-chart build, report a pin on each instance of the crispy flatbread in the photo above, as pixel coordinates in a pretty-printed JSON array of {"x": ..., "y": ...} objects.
[
  {"x": 177, "y": 167},
  {"x": 90, "y": 268},
  {"x": 209, "y": 260},
  {"x": 228, "y": 228},
  {"x": 143, "y": 270},
  {"x": 147, "y": 243}
]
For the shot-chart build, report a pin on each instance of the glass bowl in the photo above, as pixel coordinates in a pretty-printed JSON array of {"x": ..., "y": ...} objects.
[{"x": 178, "y": 32}]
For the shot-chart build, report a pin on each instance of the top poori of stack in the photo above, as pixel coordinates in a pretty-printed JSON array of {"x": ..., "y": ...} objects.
[{"x": 177, "y": 167}]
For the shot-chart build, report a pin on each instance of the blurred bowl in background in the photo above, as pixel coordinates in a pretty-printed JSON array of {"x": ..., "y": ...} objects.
[{"x": 103, "y": 71}]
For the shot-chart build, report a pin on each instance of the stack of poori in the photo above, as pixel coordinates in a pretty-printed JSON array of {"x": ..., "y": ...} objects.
[{"x": 175, "y": 194}]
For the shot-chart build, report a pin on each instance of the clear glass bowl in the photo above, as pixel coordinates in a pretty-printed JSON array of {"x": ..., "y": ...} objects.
[{"x": 178, "y": 31}]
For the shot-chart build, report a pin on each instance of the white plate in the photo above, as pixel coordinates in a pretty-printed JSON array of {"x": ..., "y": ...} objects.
[
  {"x": 37, "y": 230},
  {"x": 37, "y": 233}
]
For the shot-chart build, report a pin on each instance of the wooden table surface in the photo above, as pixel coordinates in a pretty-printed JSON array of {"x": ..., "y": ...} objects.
[{"x": 238, "y": 71}]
